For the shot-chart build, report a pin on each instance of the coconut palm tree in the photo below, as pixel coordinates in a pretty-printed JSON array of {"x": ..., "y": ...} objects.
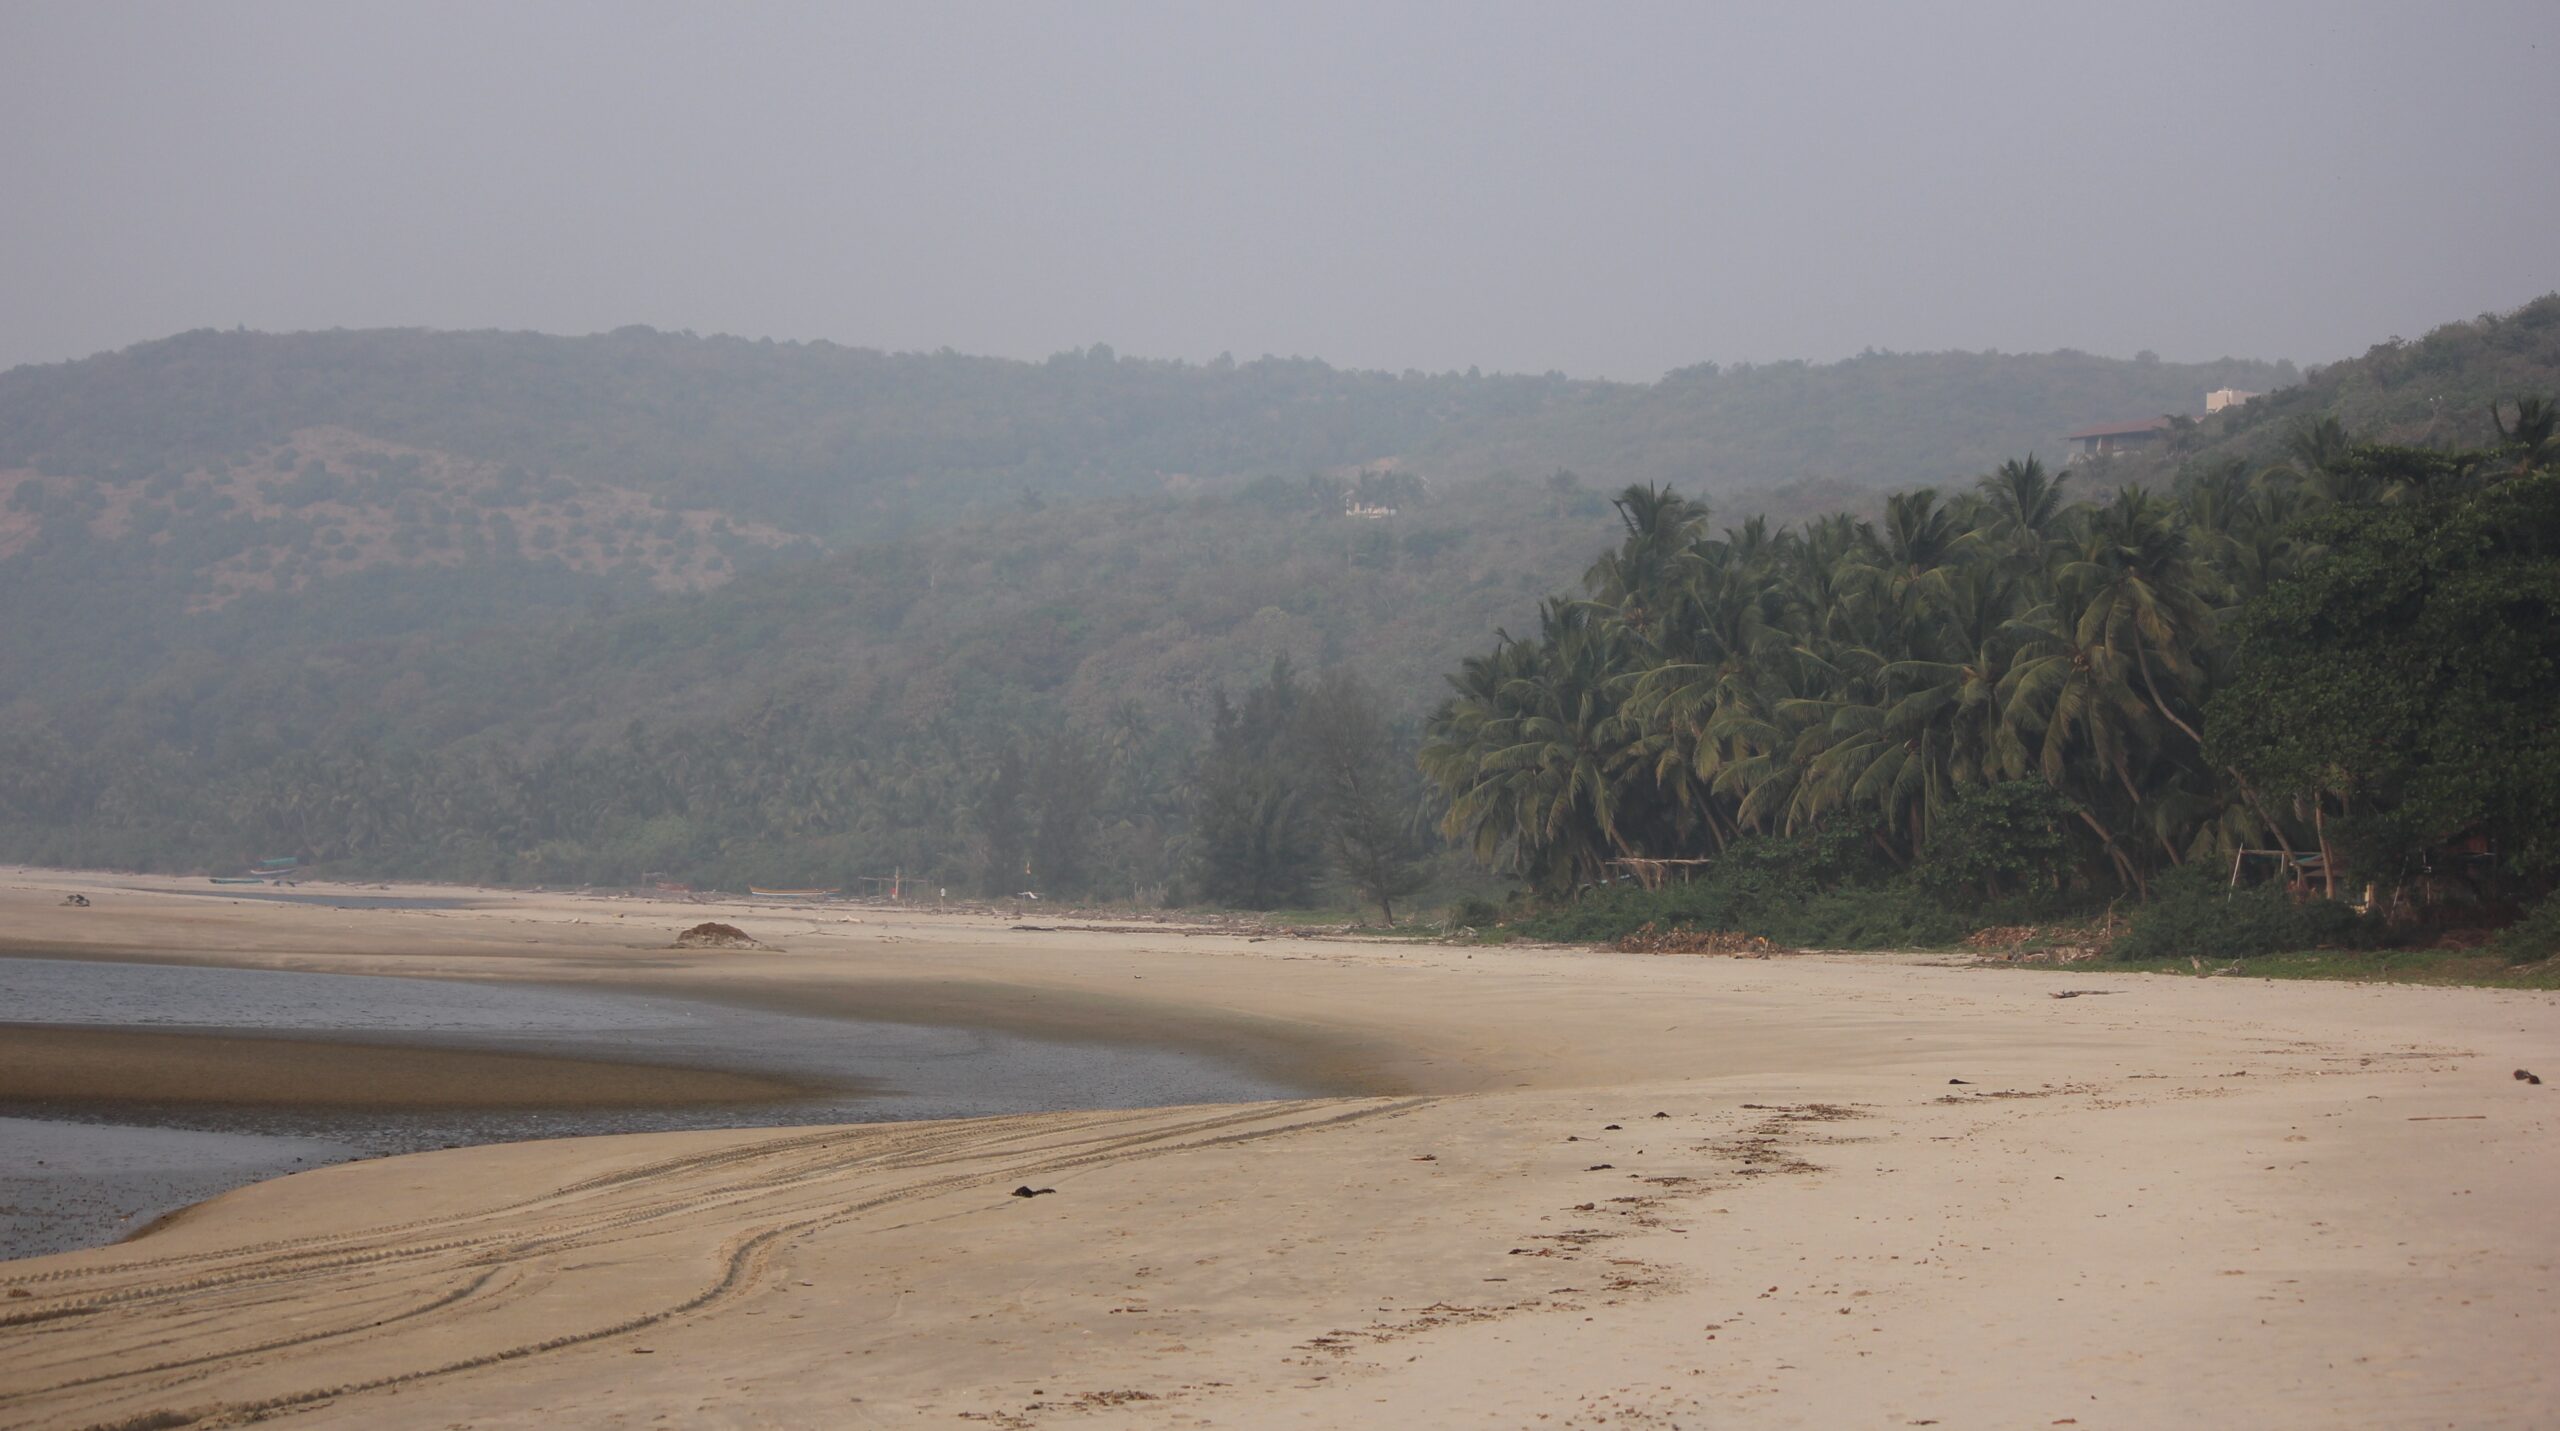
[
  {"x": 2145, "y": 595},
  {"x": 2071, "y": 715},
  {"x": 2025, "y": 509},
  {"x": 1527, "y": 748}
]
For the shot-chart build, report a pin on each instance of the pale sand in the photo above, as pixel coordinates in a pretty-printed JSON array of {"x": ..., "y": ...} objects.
[{"x": 2209, "y": 1203}]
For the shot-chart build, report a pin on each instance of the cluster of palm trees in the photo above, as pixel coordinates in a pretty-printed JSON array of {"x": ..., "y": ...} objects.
[{"x": 1860, "y": 676}]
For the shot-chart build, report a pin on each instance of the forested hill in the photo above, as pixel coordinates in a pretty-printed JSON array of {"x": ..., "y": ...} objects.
[
  {"x": 832, "y": 442},
  {"x": 2436, "y": 392},
  {"x": 1044, "y": 676},
  {"x": 229, "y": 494},
  {"x": 515, "y": 608}
]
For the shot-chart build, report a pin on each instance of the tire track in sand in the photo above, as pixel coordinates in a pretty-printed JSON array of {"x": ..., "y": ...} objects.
[{"x": 192, "y": 1338}]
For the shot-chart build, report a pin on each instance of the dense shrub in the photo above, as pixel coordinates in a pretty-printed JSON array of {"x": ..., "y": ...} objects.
[
  {"x": 2535, "y": 937},
  {"x": 2003, "y": 842},
  {"x": 2193, "y": 913},
  {"x": 1767, "y": 888},
  {"x": 1747, "y": 889},
  {"x": 1894, "y": 916}
]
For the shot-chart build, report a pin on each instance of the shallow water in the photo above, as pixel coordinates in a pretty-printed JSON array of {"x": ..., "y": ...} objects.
[
  {"x": 76, "y": 991},
  {"x": 62, "y": 1188},
  {"x": 66, "y": 1185}
]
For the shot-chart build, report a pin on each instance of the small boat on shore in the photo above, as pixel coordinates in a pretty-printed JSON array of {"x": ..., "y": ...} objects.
[
  {"x": 239, "y": 879},
  {"x": 763, "y": 893}
]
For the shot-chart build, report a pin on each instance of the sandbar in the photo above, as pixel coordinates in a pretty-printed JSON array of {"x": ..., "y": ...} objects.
[{"x": 73, "y": 1067}]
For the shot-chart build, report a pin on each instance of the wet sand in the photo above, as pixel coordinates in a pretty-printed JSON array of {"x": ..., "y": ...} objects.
[
  {"x": 77, "y": 1067},
  {"x": 2220, "y": 1202}
]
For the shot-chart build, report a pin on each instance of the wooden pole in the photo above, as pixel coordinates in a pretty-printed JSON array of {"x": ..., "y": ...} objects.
[{"x": 2328, "y": 861}]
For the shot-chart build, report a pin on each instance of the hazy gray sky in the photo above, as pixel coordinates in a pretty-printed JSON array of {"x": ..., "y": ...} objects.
[{"x": 1608, "y": 190}]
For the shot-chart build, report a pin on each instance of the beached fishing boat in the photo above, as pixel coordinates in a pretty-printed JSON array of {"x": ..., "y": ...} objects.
[
  {"x": 764, "y": 893},
  {"x": 239, "y": 879}
]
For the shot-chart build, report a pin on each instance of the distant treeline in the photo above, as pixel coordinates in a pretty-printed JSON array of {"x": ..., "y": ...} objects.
[{"x": 1021, "y": 702}]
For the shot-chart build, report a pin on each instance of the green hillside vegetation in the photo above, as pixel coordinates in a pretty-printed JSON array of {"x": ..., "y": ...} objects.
[
  {"x": 327, "y": 536},
  {"x": 2436, "y": 392},
  {"x": 904, "y": 704},
  {"x": 2036, "y": 692}
]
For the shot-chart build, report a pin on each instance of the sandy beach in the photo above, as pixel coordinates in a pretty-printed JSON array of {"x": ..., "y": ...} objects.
[{"x": 1541, "y": 1187}]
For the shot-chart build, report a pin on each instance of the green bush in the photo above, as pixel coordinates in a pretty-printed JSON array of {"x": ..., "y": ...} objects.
[
  {"x": 2193, "y": 913},
  {"x": 1600, "y": 915},
  {"x": 2535, "y": 937},
  {"x": 2005, "y": 841},
  {"x": 1895, "y": 916},
  {"x": 1751, "y": 887},
  {"x": 1764, "y": 888}
]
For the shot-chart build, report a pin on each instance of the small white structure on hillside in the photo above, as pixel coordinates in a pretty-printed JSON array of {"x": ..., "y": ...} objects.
[{"x": 2220, "y": 398}]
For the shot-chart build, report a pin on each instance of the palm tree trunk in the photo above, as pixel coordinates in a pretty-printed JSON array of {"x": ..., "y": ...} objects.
[
  {"x": 2124, "y": 778},
  {"x": 2328, "y": 861},
  {"x": 2251, "y": 795},
  {"x": 2142, "y": 660},
  {"x": 2124, "y": 867}
]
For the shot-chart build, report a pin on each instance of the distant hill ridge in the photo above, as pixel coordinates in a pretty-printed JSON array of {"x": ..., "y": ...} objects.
[{"x": 830, "y": 441}]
